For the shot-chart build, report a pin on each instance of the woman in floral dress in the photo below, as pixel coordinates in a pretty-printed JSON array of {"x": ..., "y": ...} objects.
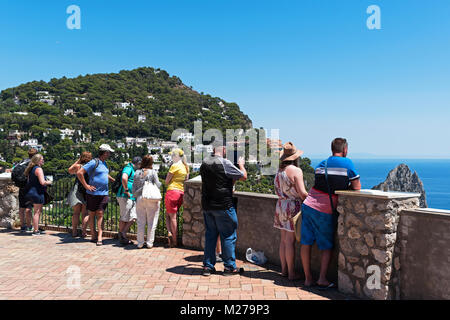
[{"x": 291, "y": 192}]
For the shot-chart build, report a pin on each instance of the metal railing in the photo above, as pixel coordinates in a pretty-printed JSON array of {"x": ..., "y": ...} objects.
[{"x": 59, "y": 214}]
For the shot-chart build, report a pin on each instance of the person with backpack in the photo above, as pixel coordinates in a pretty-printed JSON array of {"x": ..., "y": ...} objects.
[
  {"x": 126, "y": 200},
  {"x": 97, "y": 190},
  {"x": 20, "y": 180},
  {"x": 146, "y": 190},
  {"x": 77, "y": 196},
  {"x": 36, "y": 187}
]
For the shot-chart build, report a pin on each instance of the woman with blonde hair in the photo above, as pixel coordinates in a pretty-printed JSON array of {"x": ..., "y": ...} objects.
[
  {"x": 77, "y": 196},
  {"x": 36, "y": 187},
  {"x": 291, "y": 191},
  {"x": 177, "y": 175}
]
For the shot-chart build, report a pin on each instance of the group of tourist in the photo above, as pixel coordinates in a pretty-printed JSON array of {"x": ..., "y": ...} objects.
[
  {"x": 317, "y": 208},
  {"x": 89, "y": 197}
]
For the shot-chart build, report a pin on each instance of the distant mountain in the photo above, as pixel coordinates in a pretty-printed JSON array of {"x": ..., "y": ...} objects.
[
  {"x": 138, "y": 103},
  {"x": 402, "y": 179}
]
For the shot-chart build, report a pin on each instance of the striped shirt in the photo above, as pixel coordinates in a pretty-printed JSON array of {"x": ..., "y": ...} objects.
[{"x": 341, "y": 172}]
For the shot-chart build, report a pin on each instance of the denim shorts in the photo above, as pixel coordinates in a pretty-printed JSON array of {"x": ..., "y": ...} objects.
[{"x": 318, "y": 226}]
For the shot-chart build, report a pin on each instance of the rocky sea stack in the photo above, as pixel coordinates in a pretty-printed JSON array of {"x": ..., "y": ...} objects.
[{"x": 404, "y": 180}]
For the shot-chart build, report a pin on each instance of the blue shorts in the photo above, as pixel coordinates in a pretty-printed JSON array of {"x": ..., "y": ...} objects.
[{"x": 317, "y": 226}]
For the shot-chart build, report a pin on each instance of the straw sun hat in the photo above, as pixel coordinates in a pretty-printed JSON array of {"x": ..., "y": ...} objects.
[{"x": 290, "y": 152}]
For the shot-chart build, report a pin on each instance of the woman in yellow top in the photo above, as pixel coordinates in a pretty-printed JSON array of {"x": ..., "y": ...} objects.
[{"x": 178, "y": 173}]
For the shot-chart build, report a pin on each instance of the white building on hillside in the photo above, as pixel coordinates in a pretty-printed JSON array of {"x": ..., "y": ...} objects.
[
  {"x": 21, "y": 113},
  {"x": 186, "y": 136},
  {"x": 142, "y": 118},
  {"x": 68, "y": 112},
  {"x": 66, "y": 133},
  {"x": 123, "y": 105},
  {"x": 98, "y": 114}
]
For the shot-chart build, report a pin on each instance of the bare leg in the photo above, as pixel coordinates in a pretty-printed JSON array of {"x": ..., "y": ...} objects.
[
  {"x": 37, "y": 213},
  {"x": 76, "y": 219},
  {"x": 306, "y": 257},
  {"x": 289, "y": 253},
  {"x": 173, "y": 227},
  {"x": 99, "y": 214},
  {"x": 325, "y": 261},
  {"x": 92, "y": 225},
  {"x": 28, "y": 213},
  {"x": 85, "y": 220},
  {"x": 22, "y": 217},
  {"x": 284, "y": 269}
]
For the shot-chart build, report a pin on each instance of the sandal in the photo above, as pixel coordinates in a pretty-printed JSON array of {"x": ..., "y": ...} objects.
[
  {"x": 331, "y": 285},
  {"x": 99, "y": 243}
]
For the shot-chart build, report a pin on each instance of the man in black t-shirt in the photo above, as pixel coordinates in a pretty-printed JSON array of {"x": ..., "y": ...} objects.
[{"x": 218, "y": 177}]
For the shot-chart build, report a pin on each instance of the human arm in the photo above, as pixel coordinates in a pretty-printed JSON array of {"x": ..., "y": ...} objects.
[
  {"x": 80, "y": 176},
  {"x": 40, "y": 175},
  {"x": 156, "y": 179},
  {"x": 125, "y": 184},
  {"x": 241, "y": 163},
  {"x": 75, "y": 167},
  {"x": 296, "y": 175},
  {"x": 168, "y": 178},
  {"x": 111, "y": 178},
  {"x": 355, "y": 184}
]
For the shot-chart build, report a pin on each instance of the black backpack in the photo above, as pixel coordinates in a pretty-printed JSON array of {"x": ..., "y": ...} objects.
[
  {"x": 18, "y": 174},
  {"x": 118, "y": 181}
]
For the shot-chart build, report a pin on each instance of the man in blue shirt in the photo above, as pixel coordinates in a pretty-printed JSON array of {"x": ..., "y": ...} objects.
[
  {"x": 97, "y": 189},
  {"x": 318, "y": 210}
]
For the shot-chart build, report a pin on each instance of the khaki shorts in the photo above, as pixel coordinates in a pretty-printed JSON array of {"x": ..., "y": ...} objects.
[{"x": 127, "y": 209}]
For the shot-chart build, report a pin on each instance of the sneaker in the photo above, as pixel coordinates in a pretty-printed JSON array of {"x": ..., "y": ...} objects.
[
  {"x": 23, "y": 229},
  {"x": 219, "y": 258},
  {"x": 207, "y": 271},
  {"x": 231, "y": 272},
  {"x": 140, "y": 246},
  {"x": 36, "y": 233},
  {"x": 29, "y": 229},
  {"x": 42, "y": 231}
]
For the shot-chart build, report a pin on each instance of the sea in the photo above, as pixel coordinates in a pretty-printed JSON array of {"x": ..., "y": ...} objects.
[{"x": 434, "y": 173}]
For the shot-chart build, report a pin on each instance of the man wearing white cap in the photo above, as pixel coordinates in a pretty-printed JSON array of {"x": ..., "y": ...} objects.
[{"x": 97, "y": 190}]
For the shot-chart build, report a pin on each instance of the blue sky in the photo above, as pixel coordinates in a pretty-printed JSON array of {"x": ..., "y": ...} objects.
[{"x": 310, "y": 68}]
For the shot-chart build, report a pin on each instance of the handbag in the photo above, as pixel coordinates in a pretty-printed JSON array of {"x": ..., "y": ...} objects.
[
  {"x": 297, "y": 225},
  {"x": 47, "y": 198},
  {"x": 150, "y": 191}
]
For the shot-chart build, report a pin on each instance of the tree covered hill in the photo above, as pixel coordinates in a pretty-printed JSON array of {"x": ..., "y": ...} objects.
[{"x": 164, "y": 100}]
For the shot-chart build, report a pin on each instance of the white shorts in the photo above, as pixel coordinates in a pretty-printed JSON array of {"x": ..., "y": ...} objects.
[{"x": 127, "y": 209}]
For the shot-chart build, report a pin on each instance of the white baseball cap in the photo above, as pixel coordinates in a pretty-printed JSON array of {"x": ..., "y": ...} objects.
[{"x": 105, "y": 147}]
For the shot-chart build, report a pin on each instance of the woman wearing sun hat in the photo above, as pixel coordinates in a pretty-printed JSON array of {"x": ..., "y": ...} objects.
[
  {"x": 291, "y": 191},
  {"x": 178, "y": 173}
]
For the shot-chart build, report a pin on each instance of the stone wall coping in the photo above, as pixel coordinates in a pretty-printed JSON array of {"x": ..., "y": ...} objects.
[
  {"x": 428, "y": 212},
  {"x": 5, "y": 176},
  {"x": 256, "y": 195},
  {"x": 377, "y": 194},
  {"x": 197, "y": 179}
]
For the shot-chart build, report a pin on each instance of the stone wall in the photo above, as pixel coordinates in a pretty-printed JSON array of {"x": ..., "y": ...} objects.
[
  {"x": 424, "y": 260},
  {"x": 9, "y": 202},
  {"x": 368, "y": 262},
  {"x": 255, "y": 227}
]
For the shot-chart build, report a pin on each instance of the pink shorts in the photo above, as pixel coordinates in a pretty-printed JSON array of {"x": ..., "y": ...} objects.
[{"x": 173, "y": 200}]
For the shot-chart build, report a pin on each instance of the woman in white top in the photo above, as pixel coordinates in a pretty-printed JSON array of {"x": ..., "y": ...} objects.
[{"x": 147, "y": 211}]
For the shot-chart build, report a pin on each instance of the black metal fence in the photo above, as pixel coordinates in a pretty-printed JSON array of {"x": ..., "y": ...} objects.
[{"x": 59, "y": 214}]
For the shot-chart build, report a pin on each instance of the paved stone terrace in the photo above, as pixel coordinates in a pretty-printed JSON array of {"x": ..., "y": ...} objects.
[{"x": 35, "y": 267}]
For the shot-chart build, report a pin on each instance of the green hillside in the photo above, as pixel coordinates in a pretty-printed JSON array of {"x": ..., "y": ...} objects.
[{"x": 165, "y": 101}]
